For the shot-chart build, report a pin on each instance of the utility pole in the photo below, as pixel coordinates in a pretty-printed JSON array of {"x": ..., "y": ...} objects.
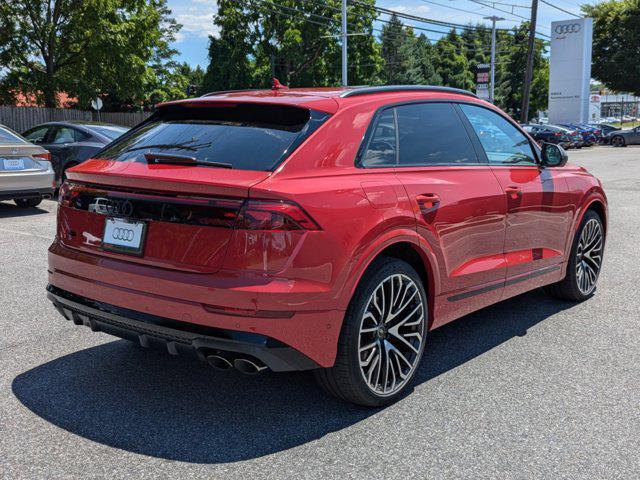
[
  {"x": 493, "y": 19},
  {"x": 528, "y": 74},
  {"x": 345, "y": 80}
]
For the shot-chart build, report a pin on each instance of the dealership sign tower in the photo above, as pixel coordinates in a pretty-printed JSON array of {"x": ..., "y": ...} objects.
[{"x": 570, "y": 70}]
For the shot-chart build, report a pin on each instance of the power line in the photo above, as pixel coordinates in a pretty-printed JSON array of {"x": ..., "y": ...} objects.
[{"x": 561, "y": 9}]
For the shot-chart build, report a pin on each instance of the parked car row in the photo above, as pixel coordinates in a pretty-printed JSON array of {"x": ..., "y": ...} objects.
[
  {"x": 578, "y": 135},
  {"x": 33, "y": 165}
]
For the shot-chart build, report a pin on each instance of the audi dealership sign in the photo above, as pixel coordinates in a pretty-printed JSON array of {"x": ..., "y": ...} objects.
[{"x": 570, "y": 70}]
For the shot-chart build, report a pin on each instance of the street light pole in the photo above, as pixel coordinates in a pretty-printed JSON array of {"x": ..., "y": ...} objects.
[
  {"x": 345, "y": 81},
  {"x": 493, "y": 19}
]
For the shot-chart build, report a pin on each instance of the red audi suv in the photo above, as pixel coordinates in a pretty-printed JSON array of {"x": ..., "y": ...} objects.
[{"x": 324, "y": 229}]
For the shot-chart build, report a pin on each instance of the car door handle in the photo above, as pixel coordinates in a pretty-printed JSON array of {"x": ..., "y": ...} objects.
[
  {"x": 513, "y": 192},
  {"x": 428, "y": 201}
]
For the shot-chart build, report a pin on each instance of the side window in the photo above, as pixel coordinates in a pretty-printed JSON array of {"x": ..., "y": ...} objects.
[
  {"x": 432, "y": 134},
  {"x": 64, "y": 135},
  {"x": 503, "y": 143},
  {"x": 382, "y": 146},
  {"x": 37, "y": 135}
]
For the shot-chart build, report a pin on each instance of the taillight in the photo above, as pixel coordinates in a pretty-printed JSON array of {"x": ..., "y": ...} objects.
[
  {"x": 44, "y": 156},
  {"x": 68, "y": 194},
  {"x": 557, "y": 134},
  {"x": 274, "y": 215}
]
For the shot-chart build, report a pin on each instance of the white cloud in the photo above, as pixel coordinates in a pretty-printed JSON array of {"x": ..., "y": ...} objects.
[
  {"x": 418, "y": 10},
  {"x": 196, "y": 18},
  {"x": 199, "y": 25}
]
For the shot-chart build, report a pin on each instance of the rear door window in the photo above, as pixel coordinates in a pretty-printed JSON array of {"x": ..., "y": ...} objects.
[
  {"x": 433, "y": 134},
  {"x": 62, "y": 135},
  {"x": 242, "y": 136}
]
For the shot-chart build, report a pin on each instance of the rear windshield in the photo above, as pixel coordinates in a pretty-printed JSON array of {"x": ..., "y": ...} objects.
[
  {"x": 240, "y": 136},
  {"x": 7, "y": 136},
  {"x": 111, "y": 132}
]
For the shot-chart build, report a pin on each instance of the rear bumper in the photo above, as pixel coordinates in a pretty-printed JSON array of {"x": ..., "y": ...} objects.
[
  {"x": 176, "y": 337},
  {"x": 29, "y": 193},
  {"x": 188, "y": 298}
]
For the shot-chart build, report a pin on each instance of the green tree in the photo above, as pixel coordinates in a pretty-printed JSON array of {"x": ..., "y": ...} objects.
[
  {"x": 616, "y": 44},
  {"x": 297, "y": 42},
  {"x": 229, "y": 65},
  {"x": 452, "y": 64},
  {"x": 407, "y": 59},
  {"x": 510, "y": 73},
  {"x": 395, "y": 49},
  {"x": 89, "y": 47},
  {"x": 477, "y": 45}
]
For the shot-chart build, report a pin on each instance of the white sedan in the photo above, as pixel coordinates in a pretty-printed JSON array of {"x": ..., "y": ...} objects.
[{"x": 26, "y": 175}]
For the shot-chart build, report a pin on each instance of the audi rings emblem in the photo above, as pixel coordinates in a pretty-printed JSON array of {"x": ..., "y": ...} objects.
[
  {"x": 124, "y": 234},
  {"x": 119, "y": 207},
  {"x": 567, "y": 28}
]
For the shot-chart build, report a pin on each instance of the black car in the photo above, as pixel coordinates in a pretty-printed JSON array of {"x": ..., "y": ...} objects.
[
  {"x": 622, "y": 138},
  {"x": 71, "y": 143},
  {"x": 550, "y": 134},
  {"x": 606, "y": 130}
]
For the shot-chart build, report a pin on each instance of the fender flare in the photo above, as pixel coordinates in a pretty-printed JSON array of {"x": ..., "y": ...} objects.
[
  {"x": 592, "y": 196},
  {"x": 384, "y": 241}
]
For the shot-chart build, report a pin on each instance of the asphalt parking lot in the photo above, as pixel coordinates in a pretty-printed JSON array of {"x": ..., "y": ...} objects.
[{"x": 530, "y": 388}]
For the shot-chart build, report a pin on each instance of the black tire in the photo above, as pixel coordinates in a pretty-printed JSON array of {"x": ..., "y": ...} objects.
[
  {"x": 345, "y": 379},
  {"x": 27, "y": 202},
  {"x": 568, "y": 289},
  {"x": 618, "y": 141}
]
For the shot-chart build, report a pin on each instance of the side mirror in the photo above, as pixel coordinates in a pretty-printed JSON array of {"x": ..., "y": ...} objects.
[{"x": 553, "y": 155}]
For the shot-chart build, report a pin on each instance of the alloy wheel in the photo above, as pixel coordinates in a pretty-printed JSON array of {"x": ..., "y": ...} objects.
[
  {"x": 589, "y": 256},
  {"x": 391, "y": 335}
]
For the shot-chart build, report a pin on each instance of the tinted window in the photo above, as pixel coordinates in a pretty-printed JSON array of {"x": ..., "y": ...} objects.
[
  {"x": 502, "y": 141},
  {"x": 245, "y": 136},
  {"x": 111, "y": 132},
  {"x": 66, "y": 135},
  {"x": 382, "y": 146},
  {"x": 431, "y": 134},
  {"x": 7, "y": 136},
  {"x": 36, "y": 135}
]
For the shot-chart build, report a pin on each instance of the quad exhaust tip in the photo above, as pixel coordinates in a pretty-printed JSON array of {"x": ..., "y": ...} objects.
[
  {"x": 248, "y": 367},
  {"x": 221, "y": 363},
  {"x": 243, "y": 365}
]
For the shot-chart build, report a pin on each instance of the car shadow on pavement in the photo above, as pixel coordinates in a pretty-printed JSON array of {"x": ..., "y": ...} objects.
[
  {"x": 10, "y": 210},
  {"x": 149, "y": 403}
]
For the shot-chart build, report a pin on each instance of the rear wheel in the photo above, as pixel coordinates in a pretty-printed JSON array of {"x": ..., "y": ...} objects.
[
  {"x": 27, "y": 202},
  {"x": 382, "y": 338},
  {"x": 585, "y": 262}
]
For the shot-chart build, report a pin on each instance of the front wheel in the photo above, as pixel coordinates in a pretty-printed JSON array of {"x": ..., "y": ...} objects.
[
  {"x": 617, "y": 141},
  {"x": 382, "y": 338},
  {"x": 27, "y": 202},
  {"x": 585, "y": 262}
]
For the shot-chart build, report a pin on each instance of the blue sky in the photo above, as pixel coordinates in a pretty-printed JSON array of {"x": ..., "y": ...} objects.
[{"x": 196, "y": 16}]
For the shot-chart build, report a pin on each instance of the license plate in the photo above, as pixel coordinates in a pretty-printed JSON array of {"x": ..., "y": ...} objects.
[
  {"x": 124, "y": 236},
  {"x": 13, "y": 163}
]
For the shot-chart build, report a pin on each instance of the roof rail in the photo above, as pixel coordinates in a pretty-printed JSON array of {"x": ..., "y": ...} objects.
[{"x": 404, "y": 88}]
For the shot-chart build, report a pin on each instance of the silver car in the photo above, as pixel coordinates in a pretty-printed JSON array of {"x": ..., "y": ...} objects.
[{"x": 26, "y": 176}]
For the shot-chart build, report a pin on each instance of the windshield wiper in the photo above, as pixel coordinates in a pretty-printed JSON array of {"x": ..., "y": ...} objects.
[{"x": 172, "y": 159}]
